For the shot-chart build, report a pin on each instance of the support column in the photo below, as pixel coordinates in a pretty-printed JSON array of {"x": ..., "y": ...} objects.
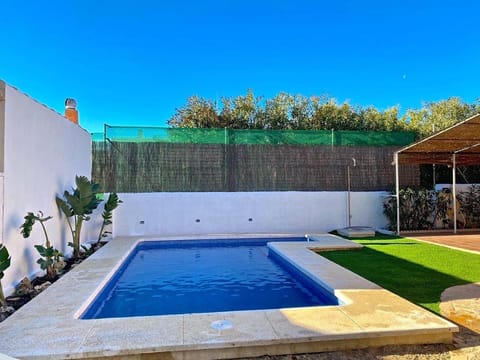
[
  {"x": 454, "y": 191},
  {"x": 397, "y": 192}
]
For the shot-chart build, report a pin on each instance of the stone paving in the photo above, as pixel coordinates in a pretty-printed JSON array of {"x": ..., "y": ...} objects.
[
  {"x": 462, "y": 240},
  {"x": 461, "y": 304}
]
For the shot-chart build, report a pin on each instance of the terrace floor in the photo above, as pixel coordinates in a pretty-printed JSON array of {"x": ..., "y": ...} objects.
[
  {"x": 464, "y": 240},
  {"x": 48, "y": 327}
]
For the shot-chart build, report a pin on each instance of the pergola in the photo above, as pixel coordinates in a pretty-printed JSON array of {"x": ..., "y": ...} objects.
[{"x": 459, "y": 145}]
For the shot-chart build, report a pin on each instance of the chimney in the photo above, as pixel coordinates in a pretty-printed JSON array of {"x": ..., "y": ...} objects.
[{"x": 71, "y": 112}]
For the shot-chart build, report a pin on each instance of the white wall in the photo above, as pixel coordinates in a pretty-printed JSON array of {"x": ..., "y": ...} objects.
[
  {"x": 458, "y": 187},
  {"x": 43, "y": 152},
  {"x": 229, "y": 212}
]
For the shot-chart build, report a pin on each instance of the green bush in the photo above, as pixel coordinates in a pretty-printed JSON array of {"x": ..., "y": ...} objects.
[
  {"x": 417, "y": 208},
  {"x": 422, "y": 209}
]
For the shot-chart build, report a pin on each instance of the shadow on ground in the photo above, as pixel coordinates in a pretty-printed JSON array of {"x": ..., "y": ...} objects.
[{"x": 466, "y": 345}]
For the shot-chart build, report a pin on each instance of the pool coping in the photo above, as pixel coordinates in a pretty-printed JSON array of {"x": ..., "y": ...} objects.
[{"x": 48, "y": 328}]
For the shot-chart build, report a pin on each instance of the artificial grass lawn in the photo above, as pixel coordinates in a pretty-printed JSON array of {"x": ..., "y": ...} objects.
[{"x": 417, "y": 271}]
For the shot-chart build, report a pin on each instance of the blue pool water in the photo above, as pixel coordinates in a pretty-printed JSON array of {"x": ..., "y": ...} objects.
[{"x": 168, "y": 277}]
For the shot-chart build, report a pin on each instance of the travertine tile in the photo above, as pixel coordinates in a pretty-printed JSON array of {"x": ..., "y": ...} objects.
[
  {"x": 376, "y": 310},
  {"x": 127, "y": 336},
  {"x": 311, "y": 323},
  {"x": 239, "y": 326}
]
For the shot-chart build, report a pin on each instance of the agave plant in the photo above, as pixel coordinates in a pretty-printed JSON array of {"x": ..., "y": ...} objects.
[
  {"x": 50, "y": 257},
  {"x": 77, "y": 206},
  {"x": 4, "y": 264},
  {"x": 111, "y": 204}
]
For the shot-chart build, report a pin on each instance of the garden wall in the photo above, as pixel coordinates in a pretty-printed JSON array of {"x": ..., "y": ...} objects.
[
  {"x": 165, "y": 214},
  {"x": 41, "y": 153}
]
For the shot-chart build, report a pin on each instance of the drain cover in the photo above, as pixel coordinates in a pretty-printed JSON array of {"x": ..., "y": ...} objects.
[{"x": 221, "y": 324}]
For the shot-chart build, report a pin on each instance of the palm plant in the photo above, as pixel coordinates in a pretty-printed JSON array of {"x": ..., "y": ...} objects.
[{"x": 77, "y": 206}]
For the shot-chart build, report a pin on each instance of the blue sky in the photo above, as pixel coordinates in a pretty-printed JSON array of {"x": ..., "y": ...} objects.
[{"x": 134, "y": 62}]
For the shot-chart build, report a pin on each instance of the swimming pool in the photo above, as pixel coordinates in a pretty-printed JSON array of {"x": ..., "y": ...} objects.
[{"x": 204, "y": 276}]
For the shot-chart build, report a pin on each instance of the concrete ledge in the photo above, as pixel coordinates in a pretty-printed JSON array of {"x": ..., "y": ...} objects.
[{"x": 357, "y": 232}]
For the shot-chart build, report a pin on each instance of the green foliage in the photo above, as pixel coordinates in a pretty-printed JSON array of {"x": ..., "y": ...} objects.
[
  {"x": 296, "y": 112},
  {"x": 111, "y": 204},
  {"x": 50, "y": 257},
  {"x": 417, "y": 208},
  {"x": 87, "y": 250},
  {"x": 434, "y": 117},
  {"x": 242, "y": 112},
  {"x": 442, "y": 204},
  {"x": 198, "y": 112},
  {"x": 5, "y": 260},
  {"x": 27, "y": 226},
  {"x": 50, "y": 260},
  {"x": 425, "y": 209},
  {"x": 77, "y": 206},
  {"x": 417, "y": 271},
  {"x": 469, "y": 202}
]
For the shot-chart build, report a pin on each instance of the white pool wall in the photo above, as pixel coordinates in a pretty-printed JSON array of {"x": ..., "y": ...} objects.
[{"x": 295, "y": 212}]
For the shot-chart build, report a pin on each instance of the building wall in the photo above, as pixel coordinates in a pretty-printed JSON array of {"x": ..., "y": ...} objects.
[
  {"x": 2, "y": 123},
  {"x": 166, "y": 214},
  {"x": 42, "y": 153}
]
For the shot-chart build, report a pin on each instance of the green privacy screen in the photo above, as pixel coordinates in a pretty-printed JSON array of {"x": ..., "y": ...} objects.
[
  {"x": 147, "y": 159},
  {"x": 255, "y": 137}
]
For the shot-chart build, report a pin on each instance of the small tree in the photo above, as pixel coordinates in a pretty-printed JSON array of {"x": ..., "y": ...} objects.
[
  {"x": 50, "y": 256},
  {"x": 4, "y": 264},
  {"x": 77, "y": 206}
]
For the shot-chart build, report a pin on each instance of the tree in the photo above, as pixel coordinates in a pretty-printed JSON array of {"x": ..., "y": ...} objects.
[
  {"x": 436, "y": 116},
  {"x": 300, "y": 113},
  {"x": 328, "y": 115},
  {"x": 285, "y": 111},
  {"x": 242, "y": 112},
  {"x": 277, "y": 112},
  {"x": 198, "y": 113}
]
